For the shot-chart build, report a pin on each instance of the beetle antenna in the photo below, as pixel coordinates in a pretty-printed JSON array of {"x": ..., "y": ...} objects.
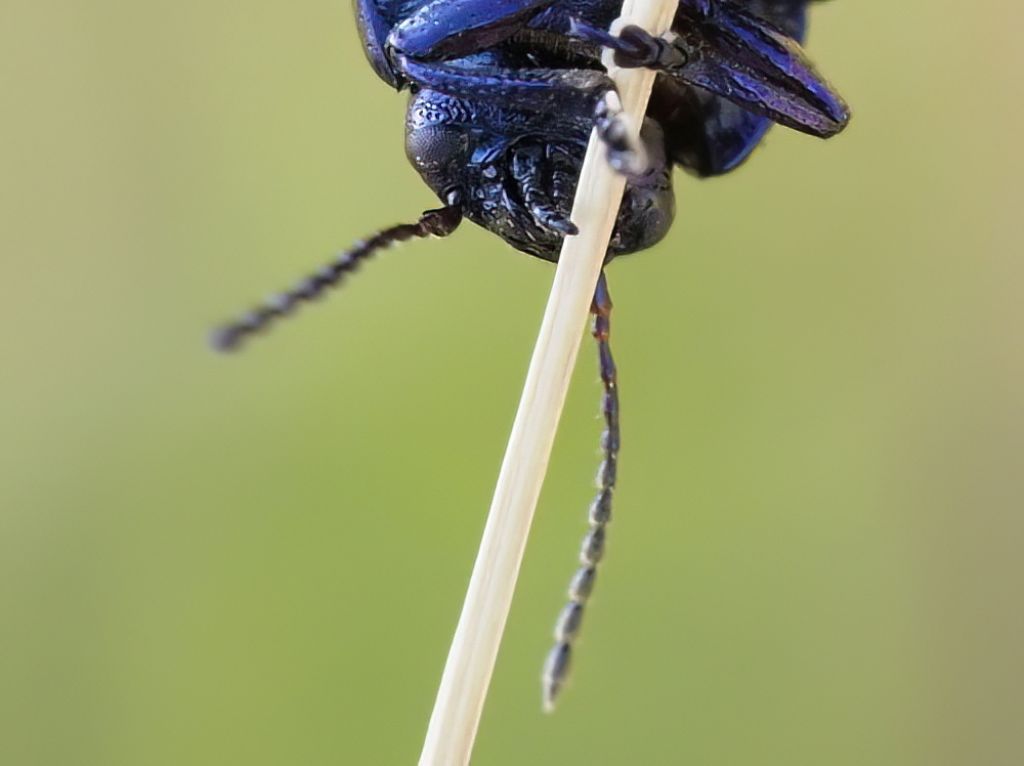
[
  {"x": 567, "y": 627},
  {"x": 433, "y": 223}
]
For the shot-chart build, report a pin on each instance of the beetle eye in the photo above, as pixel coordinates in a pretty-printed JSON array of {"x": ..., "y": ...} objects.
[{"x": 432, "y": 148}]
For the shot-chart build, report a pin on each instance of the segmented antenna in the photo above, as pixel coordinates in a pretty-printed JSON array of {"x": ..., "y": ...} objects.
[
  {"x": 433, "y": 223},
  {"x": 556, "y": 667}
]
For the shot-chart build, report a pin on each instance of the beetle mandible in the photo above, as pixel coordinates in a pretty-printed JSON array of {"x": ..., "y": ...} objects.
[{"x": 504, "y": 97}]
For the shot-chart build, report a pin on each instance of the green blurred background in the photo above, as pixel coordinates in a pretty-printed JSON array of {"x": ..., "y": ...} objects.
[{"x": 816, "y": 557}]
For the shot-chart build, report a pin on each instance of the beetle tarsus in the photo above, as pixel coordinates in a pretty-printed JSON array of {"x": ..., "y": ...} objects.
[{"x": 626, "y": 153}]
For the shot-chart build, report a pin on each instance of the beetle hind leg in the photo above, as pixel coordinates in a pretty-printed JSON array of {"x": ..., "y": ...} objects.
[{"x": 724, "y": 49}]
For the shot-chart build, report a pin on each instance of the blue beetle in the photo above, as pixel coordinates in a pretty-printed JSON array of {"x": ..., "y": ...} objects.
[{"x": 505, "y": 95}]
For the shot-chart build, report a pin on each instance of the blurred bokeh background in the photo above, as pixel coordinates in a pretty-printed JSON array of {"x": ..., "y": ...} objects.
[{"x": 816, "y": 557}]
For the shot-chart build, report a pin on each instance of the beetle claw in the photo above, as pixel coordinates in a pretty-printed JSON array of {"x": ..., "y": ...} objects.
[{"x": 626, "y": 154}]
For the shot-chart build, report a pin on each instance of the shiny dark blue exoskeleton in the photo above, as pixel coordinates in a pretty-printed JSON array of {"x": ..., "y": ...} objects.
[{"x": 505, "y": 95}]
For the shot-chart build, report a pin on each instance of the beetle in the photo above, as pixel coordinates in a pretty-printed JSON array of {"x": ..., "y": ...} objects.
[{"x": 504, "y": 97}]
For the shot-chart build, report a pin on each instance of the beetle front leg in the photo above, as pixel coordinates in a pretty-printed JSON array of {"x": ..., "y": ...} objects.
[
  {"x": 633, "y": 47},
  {"x": 450, "y": 29}
]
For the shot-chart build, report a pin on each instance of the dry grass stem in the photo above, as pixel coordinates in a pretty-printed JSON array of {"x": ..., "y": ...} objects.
[{"x": 474, "y": 649}]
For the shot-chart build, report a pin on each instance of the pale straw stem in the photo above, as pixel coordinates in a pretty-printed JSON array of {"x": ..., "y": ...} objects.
[{"x": 467, "y": 674}]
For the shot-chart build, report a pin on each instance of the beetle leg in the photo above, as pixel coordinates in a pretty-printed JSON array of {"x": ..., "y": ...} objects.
[
  {"x": 433, "y": 223},
  {"x": 568, "y": 91},
  {"x": 707, "y": 134},
  {"x": 718, "y": 46},
  {"x": 630, "y": 50},
  {"x": 625, "y": 153},
  {"x": 448, "y": 29}
]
